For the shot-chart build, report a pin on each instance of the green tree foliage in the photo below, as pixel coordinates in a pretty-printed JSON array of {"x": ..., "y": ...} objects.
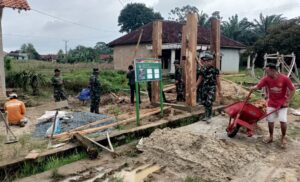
[
  {"x": 264, "y": 23},
  {"x": 81, "y": 54},
  {"x": 7, "y": 63},
  {"x": 30, "y": 50},
  {"x": 179, "y": 14},
  {"x": 102, "y": 48},
  {"x": 240, "y": 30},
  {"x": 135, "y": 15},
  {"x": 284, "y": 38},
  {"x": 60, "y": 56}
]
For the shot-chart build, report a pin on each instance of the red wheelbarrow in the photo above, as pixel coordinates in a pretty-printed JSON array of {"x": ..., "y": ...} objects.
[{"x": 244, "y": 114}]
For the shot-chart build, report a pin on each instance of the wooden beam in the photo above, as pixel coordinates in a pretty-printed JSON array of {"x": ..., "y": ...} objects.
[
  {"x": 190, "y": 64},
  {"x": 156, "y": 51},
  {"x": 2, "y": 70},
  {"x": 215, "y": 41},
  {"x": 88, "y": 145},
  {"x": 183, "y": 52}
]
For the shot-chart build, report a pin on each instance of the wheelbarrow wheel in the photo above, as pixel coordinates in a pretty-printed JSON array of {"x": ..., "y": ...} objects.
[{"x": 234, "y": 131}]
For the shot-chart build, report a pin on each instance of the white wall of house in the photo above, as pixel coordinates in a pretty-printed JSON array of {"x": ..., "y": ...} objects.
[{"x": 230, "y": 60}]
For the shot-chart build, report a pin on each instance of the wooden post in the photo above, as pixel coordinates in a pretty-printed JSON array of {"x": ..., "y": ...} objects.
[
  {"x": 190, "y": 64},
  {"x": 2, "y": 71},
  {"x": 156, "y": 50},
  {"x": 183, "y": 53},
  {"x": 88, "y": 145},
  {"x": 216, "y": 41}
]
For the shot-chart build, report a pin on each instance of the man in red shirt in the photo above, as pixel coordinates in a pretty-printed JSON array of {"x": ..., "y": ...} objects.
[{"x": 280, "y": 91}]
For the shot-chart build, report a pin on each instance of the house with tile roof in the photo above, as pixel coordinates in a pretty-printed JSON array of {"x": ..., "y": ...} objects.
[{"x": 124, "y": 47}]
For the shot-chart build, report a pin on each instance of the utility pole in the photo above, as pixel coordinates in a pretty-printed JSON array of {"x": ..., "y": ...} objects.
[{"x": 66, "y": 48}]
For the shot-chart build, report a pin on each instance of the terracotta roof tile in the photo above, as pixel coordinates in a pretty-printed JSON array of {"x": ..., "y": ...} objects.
[
  {"x": 16, "y": 4},
  {"x": 172, "y": 34}
]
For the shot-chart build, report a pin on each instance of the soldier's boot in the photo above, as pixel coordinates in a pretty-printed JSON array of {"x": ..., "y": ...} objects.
[
  {"x": 209, "y": 114},
  {"x": 205, "y": 115}
]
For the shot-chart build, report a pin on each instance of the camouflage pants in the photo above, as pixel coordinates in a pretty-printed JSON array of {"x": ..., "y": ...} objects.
[
  {"x": 180, "y": 91},
  {"x": 59, "y": 95},
  {"x": 95, "y": 102},
  {"x": 208, "y": 95}
]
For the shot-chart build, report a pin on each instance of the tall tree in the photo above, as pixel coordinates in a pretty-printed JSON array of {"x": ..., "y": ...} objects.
[
  {"x": 30, "y": 50},
  {"x": 135, "y": 15},
  {"x": 240, "y": 30},
  {"x": 102, "y": 48},
  {"x": 263, "y": 24},
  {"x": 180, "y": 14}
]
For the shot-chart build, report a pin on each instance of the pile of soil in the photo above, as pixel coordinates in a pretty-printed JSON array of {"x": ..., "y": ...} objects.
[
  {"x": 232, "y": 92},
  {"x": 189, "y": 155}
]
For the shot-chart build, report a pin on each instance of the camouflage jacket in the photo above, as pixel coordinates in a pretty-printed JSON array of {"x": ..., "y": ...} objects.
[
  {"x": 178, "y": 74},
  {"x": 57, "y": 82},
  {"x": 95, "y": 85},
  {"x": 209, "y": 75}
]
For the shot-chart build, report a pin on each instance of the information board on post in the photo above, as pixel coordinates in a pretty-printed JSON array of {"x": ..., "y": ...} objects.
[{"x": 147, "y": 69}]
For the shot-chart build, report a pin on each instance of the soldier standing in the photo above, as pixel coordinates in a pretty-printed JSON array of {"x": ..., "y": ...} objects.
[
  {"x": 210, "y": 83},
  {"x": 34, "y": 83},
  {"x": 95, "y": 88},
  {"x": 179, "y": 82},
  {"x": 57, "y": 83}
]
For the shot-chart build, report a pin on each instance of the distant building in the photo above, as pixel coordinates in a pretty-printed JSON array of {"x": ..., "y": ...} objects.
[
  {"x": 49, "y": 57},
  {"x": 124, "y": 47},
  {"x": 105, "y": 57},
  {"x": 18, "y": 55}
]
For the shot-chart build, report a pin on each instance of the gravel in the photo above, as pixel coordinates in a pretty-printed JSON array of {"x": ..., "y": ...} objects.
[{"x": 78, "y": 119}]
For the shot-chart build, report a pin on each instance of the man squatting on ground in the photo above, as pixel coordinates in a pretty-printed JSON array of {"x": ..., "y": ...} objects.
[
  {"x": 15, "y": 111},
  {"x": 95, "y": 90},
  {"x": 210, "y": 83},
  {"x": 280, "y": 91},
  {"x": 57, "y": 83},
  {"x": 131, "y": 83}
]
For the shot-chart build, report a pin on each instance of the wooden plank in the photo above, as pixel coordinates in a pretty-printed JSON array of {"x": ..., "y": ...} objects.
[
  {"x": 93, "y": 123},
  {"x": 156, "y": 51},
  {"x": 88, "y": 145},
  {"x": 215, "y": 41},
  {"x": 169, "y": 88},
  {"x": 190, "y": 86},
  {"x": 32, "y": 154}
]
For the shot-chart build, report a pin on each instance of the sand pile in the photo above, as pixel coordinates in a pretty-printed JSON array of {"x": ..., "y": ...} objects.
[
  {"x": 232, "y": 92},
  {"x": 194, "y": 155}
]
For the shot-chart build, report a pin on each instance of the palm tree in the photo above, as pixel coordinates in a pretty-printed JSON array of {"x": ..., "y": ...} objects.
[
  {"x": 238, "y": 30},
  {"x": 263, "y": 24}
]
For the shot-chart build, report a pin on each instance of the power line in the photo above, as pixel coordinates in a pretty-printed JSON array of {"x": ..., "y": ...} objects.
[{"x": 68, "y": 21}]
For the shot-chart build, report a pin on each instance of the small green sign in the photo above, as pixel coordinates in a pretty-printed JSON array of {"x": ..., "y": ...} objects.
[{"x": 147, "y": 69}]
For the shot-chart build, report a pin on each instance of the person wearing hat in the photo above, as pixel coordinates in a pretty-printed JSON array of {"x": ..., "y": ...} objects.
[
  {"x": 179, "y": 82},
  {"x": 209, "y": 83},
  {"x": 131, "y": 82},
  {"x": 15, "y": 110},
  {"x": 280, "y": 91},
  {"x": 57, "y": 83},
  {"x": 95, "y": 90}
]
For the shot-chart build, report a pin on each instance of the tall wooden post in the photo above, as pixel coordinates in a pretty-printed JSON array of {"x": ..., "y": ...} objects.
[
  {"x": 215, "y": 41},
  {"x": 183, "y": 52},
  {"x": 2, "y": 71},
  {"x": 156, "y": 50},
  {"x": 190, "y": 64}
]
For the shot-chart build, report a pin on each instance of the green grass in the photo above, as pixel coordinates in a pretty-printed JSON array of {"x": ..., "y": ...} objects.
[
  {"x": 76, "y": 76},
  {"x": 42, "y": 165},
  {"x": 295, "y": 103}
]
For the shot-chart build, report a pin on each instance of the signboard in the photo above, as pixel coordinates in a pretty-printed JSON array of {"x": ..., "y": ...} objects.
[{"x": 147, "y": 69}]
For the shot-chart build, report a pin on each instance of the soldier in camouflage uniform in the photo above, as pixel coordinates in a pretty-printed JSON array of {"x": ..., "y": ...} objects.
[
  {"x": 179, "y": 82},
  {"x": 95, "y": 88},
  {"x": 57, "y": 83},
  {"x": 209, "y": 81}
]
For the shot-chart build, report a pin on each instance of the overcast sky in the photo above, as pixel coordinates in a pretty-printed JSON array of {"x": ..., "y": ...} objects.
[{"x": 99, "y": 19}]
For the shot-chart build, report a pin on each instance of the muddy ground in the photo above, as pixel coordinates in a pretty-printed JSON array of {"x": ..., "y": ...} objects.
[{"x": 199, "y": 152}]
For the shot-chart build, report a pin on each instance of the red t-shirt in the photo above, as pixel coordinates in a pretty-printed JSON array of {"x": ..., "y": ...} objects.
[{"x": 277, "y": 89}]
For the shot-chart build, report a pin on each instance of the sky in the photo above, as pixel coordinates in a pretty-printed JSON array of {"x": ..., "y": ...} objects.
[{"x": 50, "y": 23}]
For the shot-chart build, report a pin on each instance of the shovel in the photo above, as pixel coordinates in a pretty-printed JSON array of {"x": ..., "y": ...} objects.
[{"x": 10, "y": 137}]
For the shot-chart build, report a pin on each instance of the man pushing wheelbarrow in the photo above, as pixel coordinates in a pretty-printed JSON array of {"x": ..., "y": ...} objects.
[{"x": 279, "y": 92}]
